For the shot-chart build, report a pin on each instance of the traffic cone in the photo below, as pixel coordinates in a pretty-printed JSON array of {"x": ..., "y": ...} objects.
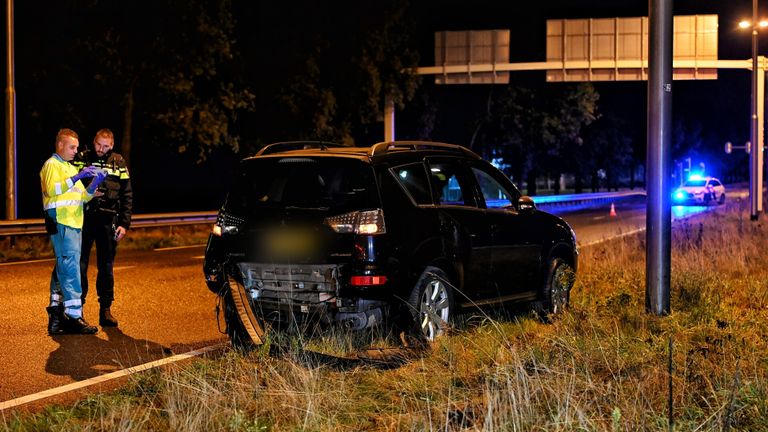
[{"x": 613, "y": 210}]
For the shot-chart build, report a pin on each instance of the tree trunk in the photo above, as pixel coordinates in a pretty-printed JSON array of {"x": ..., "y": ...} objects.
[
  {"x": 531, "y": 189},
  {"x": 578, "y": 185},
  {"x": 125, "y": 145},
  {"x": 557, "y": 182},
  {"x": 595, "y": 182}
]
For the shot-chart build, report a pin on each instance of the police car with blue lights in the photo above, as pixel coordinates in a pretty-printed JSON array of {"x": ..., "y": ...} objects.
[{"x": 699, "y": 190}]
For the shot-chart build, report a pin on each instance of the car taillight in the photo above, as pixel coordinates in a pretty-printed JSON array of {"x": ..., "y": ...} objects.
[
  {"x": 359, "y": 222},
  {"x": 367, "y": 280}
]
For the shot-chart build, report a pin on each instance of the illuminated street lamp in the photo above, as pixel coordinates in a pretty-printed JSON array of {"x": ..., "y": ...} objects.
[{"x": 756, "y": 129}]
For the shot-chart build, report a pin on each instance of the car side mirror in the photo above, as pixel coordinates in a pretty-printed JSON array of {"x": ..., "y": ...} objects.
[{"x": 526, "y": 204}]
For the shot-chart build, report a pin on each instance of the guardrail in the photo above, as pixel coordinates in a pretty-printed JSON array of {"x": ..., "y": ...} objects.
[
  {"x": 153, "y": 220},
  {"x": 584, "y": 198},
  {"x": 150, "y": 220}
]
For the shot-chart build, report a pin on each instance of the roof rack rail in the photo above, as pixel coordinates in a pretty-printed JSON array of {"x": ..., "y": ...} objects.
[
  {"x": 295, "y": 145},
  {"x": 385, "y": 147}
]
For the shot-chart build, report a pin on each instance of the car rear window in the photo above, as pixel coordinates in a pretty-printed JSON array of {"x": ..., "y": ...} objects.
[{"x": 322, "y": 183}]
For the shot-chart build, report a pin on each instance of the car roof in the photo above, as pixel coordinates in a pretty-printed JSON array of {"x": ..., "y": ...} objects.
[{"x": 377, "y": 152}]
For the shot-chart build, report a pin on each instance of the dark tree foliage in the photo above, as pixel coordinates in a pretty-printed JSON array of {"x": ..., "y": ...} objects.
[
  {"x": 347, "y": 76},
  {"x": 536, "y": 130},
  {"x": 606, "y": 148},
  {"x": 171, "y": 69}
]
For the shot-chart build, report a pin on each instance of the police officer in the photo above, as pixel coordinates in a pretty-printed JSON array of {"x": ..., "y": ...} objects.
[
  {"x": 107, "y": 219},
  {"x": 63, "y": 198}
]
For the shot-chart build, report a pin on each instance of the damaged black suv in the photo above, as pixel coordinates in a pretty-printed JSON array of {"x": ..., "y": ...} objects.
[{"x": 409, "y": 233}]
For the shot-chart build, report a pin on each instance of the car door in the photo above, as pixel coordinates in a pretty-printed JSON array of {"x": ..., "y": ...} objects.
[
  {"x": 516, "y": 243},
  {"x": 463, "y": 222}
]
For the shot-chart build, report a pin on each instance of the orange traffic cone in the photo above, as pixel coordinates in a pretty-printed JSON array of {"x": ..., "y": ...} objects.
[{"x": 613, "y": 210}]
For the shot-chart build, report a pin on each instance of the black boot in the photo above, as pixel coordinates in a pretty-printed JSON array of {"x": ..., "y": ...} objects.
[
  {"x": 55, "y": 319},
  {"x": 78, "y": 326},
  {"x": 106, "y": 319}
]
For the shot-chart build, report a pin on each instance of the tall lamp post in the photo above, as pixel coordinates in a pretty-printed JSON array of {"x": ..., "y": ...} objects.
[{"x": 756, "y": 127}]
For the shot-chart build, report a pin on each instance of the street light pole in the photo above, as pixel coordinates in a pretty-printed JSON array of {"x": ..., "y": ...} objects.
[
  {"x": 756, "y": 128},
  {"x": 10, "y": 118}
]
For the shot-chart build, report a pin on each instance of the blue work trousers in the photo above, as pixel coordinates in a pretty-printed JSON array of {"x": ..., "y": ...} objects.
[{"x": 65, "y": 279}]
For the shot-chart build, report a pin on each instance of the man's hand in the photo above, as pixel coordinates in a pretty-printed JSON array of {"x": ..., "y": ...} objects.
[
  {"x": 98, "y": 177},
  {"x": 120, "y": 233},
  {"x": 87, "y": 172}
]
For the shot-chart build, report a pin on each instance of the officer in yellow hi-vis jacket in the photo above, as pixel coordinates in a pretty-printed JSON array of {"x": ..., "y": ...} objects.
[{"x": 63, "y": 198}]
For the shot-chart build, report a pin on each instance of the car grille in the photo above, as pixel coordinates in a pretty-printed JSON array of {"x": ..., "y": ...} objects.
[{"x": 302, "y": 284}]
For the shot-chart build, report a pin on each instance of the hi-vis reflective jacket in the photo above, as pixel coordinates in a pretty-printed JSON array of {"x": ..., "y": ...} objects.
[{"x": 60, "y": 193}]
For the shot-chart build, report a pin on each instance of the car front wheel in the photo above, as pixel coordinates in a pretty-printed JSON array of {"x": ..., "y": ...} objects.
[
  {"x": 431, "y": 304},
  {"x": 557, "y": 286}
]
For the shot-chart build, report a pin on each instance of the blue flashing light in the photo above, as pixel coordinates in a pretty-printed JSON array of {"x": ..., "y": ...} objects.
[
  {"x": 695, "y": 177},
  {"x": 679, "y": 196}
]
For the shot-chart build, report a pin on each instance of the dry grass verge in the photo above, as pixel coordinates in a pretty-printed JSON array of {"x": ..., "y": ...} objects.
[{"x": 601, "y": 366}]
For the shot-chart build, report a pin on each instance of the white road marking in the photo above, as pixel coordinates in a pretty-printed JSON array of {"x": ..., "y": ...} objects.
[
  {"x": 104, "y": 378},
  {"x": 598, "y": 217},
  {"x": 27, "y": 262},
  {"x": 178, "y": 247},
  {"x": 605, "y": 239},
  {"x": 122, "y": 268}
]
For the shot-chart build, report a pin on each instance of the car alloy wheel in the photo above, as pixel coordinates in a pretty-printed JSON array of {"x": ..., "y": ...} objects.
[
  {"x": 431, "y": 303},
  {"x": 559, "y": 282}
]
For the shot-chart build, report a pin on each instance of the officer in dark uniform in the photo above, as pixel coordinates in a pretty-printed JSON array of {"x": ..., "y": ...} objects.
[{"x": 107, "y": 219}]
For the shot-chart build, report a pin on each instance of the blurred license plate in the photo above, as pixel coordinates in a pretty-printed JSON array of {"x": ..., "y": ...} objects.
[{"x": 283, "y": 242}]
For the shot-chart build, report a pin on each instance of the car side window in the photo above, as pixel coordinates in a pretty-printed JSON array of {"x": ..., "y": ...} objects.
[
  {"x": 450, "y": 185},
  {"x": 716, "y": 183},
  {"x": 493, "y": 192},
  {"x": 413, "y": 178}
]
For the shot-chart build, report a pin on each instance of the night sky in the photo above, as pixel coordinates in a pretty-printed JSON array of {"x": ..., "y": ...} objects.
[{"x": 274, "y": 38}]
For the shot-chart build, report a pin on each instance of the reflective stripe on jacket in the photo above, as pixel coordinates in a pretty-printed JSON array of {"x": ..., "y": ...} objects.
[{"x": 60, "y": 193}]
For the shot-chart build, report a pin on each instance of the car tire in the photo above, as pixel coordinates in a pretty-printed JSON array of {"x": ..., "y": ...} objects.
[
  {"x": 431, "y": 305},
  {"x": 721, "y": 201},
  {"x": 557, "y": 286},
  {"x": 244, "y": 328}
]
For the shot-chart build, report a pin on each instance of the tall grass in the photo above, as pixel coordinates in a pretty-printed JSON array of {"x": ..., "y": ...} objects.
[{"x": 601, "y": 365}]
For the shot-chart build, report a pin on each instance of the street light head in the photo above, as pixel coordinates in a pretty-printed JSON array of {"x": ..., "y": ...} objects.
[
  {"x": 763, "y": 23},
  {"x": 744, "y": 24}
]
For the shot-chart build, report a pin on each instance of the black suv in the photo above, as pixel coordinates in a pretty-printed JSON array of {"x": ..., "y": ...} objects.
[{"x": 408, "y": 232}]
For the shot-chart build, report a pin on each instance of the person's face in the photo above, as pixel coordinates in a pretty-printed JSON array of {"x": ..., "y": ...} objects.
[
  {"x": 66, "y": 148},
  {"x": 102, "y": 145}
]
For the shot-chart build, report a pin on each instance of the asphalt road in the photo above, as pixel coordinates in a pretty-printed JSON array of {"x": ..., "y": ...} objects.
[
  {"x": 164, "y": 308},
  {"x": 160, "y": 300}
]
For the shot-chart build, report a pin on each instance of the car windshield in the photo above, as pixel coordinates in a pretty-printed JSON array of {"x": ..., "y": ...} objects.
[
  {"x": 333, "y": 185},
  {"x": 694, "y": 183}
]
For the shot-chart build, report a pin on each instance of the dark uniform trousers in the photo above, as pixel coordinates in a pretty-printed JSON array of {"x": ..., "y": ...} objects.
[{"x": 99, "y": 228}]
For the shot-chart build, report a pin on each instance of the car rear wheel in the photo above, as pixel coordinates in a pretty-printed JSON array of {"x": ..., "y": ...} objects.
[
  {"x": 431, "y": 305},
  {"x": 557, "y": 286},
  {"x": 721, "y": 200},
  {"x": 244, "y": 327}
]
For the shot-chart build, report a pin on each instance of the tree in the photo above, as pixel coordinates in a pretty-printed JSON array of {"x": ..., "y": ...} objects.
[
  {"x": 606, "y": 148},
  {"x": 341, "y": 91},
  {"x": 171, "y": 67},
  {"x": 536, "y": 130}
]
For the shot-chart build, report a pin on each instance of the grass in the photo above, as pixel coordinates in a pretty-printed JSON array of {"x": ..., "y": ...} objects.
[
  {"x": 16, "y": 248},
  {"x": 600, "y": 366}
]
